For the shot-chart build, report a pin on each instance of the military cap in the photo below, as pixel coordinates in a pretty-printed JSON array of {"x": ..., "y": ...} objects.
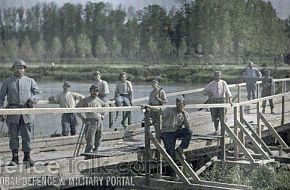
[
  {"x": 94, "y": 87},
  {"x": 180, "y": 99},
  {"x": 216, "y": 73},
  {"x": 19, "y": 62},
  {"x": 66, "y": 83}
]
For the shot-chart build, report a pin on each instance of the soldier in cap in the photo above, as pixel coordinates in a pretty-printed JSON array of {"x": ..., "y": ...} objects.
[
  {"x": 157, "y": 97},
  {"x": 67, "y": 99},
  {"x": 102, "y": 85},
  {"x": 175, "y": 126},
  {"x": 252, "y": 74},
  {"x": 123, "y": 95},
  {"x": 21, "y": 92},
  {"x": 268, "y": 86},
  {"x": 218, "y": 92},
  {"x": 93, "y": 120}
]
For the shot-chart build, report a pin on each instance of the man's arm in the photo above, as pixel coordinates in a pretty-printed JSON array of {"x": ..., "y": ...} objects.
[
  {"x": 3, "y": 92},
  {"x": 80, "y": 115},
  {"x": 77, "y": 95},
  {"x": 185, "y": 115},
  {"x": 35, "y": 92}
]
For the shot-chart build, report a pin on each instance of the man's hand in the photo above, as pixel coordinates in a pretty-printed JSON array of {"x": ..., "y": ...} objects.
[
  {"x": 86, "y": 122},
  {"x": 29, "y": 104},
  {"x": 3, "y": 117}
]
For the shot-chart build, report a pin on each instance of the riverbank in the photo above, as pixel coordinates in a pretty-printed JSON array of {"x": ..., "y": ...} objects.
[{"x": 140, "y": 73}]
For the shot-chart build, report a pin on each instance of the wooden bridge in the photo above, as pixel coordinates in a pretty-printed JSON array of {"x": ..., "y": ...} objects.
[{"x": 138, "y": 152}]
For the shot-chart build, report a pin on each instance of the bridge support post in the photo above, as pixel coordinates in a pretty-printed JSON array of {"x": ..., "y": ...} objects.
[
  {"x": 239, "y": 93},
  {"x": 147, "y": 148},
  {"x": 223, "y": 144},
  {"x": 259, "y": 132},
  {"x": 158, "y": 137},
  {"x": 236, "y": 148}
]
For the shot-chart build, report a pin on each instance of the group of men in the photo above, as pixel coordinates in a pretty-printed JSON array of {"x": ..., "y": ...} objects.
[{"x": 22, "y": 92}]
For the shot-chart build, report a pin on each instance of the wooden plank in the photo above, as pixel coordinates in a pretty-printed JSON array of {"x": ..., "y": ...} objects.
[
  {"x": 274, "y": 132},
  {"x": 204, "y": 167},
  {"x": 169, "y": 159},
  {"x": 188, "y": 168},
  {"x": 282, "y": 159},
  {"x": 283, "y": 111},
  {"x": 236, "y": 148},
  {"x": 257, "y": 146},
  {"x": 254, "y": 134},
  {"x": 147, "y": 147},
  {"x": 239, "y": 143}
]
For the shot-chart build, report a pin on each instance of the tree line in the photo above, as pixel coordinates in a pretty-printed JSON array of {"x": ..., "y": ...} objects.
[{"x": 228, "y": 31}]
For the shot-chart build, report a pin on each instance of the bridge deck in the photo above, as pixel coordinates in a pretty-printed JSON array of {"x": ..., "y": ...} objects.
[{"x": 126, "y": 146}]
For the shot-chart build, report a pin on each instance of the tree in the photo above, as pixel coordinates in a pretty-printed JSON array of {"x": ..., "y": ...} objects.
[
  {"x": 69, "y": 50},
  {"x": 56, "y": 48},
  {"x": 25, "y": 50},
  {"x": 83, "y": 46},
  {"x": 101, "y": 47}
]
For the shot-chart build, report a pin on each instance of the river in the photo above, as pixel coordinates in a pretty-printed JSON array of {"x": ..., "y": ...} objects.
[{"x": 47, "y": 124}]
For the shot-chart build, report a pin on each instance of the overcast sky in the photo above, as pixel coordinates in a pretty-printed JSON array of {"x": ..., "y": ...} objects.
[{"x": 282, "y": 6}]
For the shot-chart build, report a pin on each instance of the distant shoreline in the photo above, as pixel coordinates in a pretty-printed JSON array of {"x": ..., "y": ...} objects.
[{"x": 140, "y": 73}]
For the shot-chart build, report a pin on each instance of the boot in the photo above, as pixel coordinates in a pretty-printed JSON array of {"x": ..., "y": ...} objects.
[
  {"x": 272, "y": 112},
  {"x": 15, "y": 159},
  {"x": 27, "y": 160},
  {"x": 263, "y": 111}
]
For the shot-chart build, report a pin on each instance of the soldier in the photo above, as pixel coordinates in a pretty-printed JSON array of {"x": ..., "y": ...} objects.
[
  {"x": 252, "y": 74},
  {"x": 157, "y": 98},
  {"x": 175, "y": 126},
  {"x": 21, "y": 92},
  {"x": 93, "y": 120},
  {"x": 218, "y": 92},
  {"x": 268, "y": 85},
  {"x": 67, "y": 99},
  {"x": 102, "y": 85},
  {"x": 123, "y": 95}
]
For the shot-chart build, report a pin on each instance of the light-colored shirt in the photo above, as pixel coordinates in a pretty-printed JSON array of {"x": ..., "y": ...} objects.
[
  {"x": 92, "y": 102},
  {"x": 253, "y": 73},
  {"x": 172, "y": 120},
  {"x": 18, "y": 90},
  {"x": 123, "y": 88},
  {"x": 154, "y": 101},
  {"x": 103, "y": 86},
  {"x": 67, "y": 99},
  {"x": 218, "y": 89}
]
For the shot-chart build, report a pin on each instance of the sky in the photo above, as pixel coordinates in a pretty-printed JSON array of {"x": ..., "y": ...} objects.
[{"x": 282, "y": 6}]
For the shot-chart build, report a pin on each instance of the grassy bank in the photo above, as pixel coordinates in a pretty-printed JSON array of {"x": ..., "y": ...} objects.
[
  {"x": 264, "y": 177},
  {"x": 137, "y": 73}
]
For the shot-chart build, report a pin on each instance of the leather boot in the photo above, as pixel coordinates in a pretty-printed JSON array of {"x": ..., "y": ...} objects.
[
  {"x": 27, "y": 160},
  {"x": 15, "y": 159}
]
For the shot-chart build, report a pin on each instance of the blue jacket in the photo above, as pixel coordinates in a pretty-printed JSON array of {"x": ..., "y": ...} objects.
[{"x": 18, "y": 90}]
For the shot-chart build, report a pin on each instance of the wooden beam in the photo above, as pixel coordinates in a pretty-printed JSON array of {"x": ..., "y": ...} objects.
[
  {"x": 239, "y": 143},
  {"x": 187, "y": 167},
  {"x": 274, "y": 132},
  {"x": 282, "y": 159},
  {"x": 147, "y": 147},
  {"x": 204, "y": 167},
  {"x": 257, "y": 146},
  {"x": 254, "y": 134}
]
